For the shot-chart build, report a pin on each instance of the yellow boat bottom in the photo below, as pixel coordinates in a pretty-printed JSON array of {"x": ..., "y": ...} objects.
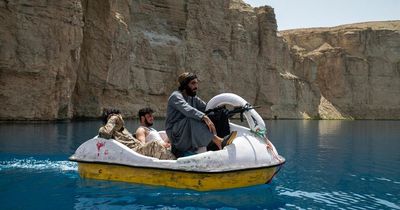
[{"x": 177, "y": 179}]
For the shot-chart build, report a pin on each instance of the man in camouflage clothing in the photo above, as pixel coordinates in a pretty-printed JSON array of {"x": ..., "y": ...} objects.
[{"x": 114, "y": 128}]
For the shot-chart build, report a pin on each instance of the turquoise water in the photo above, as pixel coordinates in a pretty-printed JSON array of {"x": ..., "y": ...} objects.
[{"x": 330, "y": 165}]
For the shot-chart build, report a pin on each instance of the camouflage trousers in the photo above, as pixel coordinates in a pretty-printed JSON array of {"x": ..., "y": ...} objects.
[{"x": 151, "y": 149}]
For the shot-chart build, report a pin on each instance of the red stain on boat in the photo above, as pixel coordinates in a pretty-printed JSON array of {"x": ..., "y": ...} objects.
[{"x": 99, "y": 146}]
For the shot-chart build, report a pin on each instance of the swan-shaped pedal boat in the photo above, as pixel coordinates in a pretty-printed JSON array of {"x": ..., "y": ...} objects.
[{"x": 251, "y": 159}]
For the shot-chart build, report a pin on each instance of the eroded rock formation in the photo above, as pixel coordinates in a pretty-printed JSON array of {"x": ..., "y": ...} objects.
[
  {"x": 66, "y": 59},
  {"x": 354, "y": 68}
]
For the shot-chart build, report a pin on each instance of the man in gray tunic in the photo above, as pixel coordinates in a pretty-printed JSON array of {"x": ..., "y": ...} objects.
[{"x": 188, "y": 127}]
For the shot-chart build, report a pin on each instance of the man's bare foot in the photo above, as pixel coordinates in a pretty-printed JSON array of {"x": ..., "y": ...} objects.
[{"x": 218, "y": 141}]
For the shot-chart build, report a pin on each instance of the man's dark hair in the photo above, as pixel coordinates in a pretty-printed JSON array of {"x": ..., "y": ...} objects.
[
  {"x": 184, "y": 80},
  {"x": 107, "y": 112},
  {"x": 144, "y": 111}
]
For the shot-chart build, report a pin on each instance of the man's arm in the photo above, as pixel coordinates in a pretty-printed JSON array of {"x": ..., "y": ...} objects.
[
  {"x": 107, "y": 130},
  {"x": 178, "y": 102},
  {"x": 141, "y": 134},
  {"x": 200, "y": 104}
]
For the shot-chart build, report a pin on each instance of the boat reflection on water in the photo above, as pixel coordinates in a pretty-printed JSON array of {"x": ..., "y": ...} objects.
[{"x": 109, "y": 195}]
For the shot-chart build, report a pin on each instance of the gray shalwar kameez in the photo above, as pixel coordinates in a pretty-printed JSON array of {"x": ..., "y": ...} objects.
[{"x": 184, "y": 124}]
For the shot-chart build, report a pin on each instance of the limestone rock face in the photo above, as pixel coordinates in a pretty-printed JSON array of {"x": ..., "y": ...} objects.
[
  {"x": 355, "y": 68},
  {"x": 67, "y": 59},
  {"x": 39, "y": 54},
  {"x": 133, "y": 51}
]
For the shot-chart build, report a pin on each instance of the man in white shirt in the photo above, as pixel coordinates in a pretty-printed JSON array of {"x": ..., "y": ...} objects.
[{"x": 145, "y": 133}]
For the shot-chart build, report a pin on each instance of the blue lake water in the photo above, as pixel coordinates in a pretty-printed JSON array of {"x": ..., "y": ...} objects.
[{"x": 330, "y": 165}]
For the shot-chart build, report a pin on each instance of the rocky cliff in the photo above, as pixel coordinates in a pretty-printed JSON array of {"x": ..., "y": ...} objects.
[
  {"x": 353, "y": 69},
  {"x": 67, "y": 59},
  {"x": 40, "y": 44}
]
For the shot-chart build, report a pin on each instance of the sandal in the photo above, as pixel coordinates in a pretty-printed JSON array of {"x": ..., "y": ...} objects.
[{"x": 229, "y": 139}]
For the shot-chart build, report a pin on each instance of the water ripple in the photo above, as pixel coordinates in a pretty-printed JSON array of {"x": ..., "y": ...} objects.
[
  {"x": 40, "y": 165},
  {"x": 337, "y": 199}
]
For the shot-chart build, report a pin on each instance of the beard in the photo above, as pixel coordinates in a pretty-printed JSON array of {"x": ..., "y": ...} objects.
[
  {"x": 190, "y": 92},
  {"x": 147, "y": 123}
]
